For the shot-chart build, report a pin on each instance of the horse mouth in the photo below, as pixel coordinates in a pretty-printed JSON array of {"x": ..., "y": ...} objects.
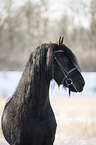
[
  {"x": 76, "y": 89},
  {"x": 73, "y": 88}
]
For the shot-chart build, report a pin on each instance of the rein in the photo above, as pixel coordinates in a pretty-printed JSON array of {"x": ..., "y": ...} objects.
[{"x": 67, "y": 80}]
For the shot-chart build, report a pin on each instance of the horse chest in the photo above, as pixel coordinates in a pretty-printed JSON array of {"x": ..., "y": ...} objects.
[{"x": 39, "y": 129}]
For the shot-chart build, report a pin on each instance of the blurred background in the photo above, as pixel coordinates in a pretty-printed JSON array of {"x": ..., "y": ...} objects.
[{"x": 26, "y": 24}]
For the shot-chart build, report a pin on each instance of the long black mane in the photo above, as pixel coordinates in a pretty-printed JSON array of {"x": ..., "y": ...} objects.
[
  {"x": 38, "y": 64},
  {"x": 35, "y": 75}
]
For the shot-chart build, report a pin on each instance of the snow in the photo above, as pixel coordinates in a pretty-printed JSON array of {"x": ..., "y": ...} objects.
[
  {"x": 10, "y": 80},
  {"x": 8, "y": 83}
]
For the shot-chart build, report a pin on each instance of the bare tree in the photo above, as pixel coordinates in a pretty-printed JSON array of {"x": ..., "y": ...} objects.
[
  {"x": 24, "y": 27},
  {"x": 93, "y": 23}
]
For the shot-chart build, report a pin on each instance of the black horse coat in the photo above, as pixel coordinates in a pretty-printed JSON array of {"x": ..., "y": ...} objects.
[{"x": 28, "y": 118}]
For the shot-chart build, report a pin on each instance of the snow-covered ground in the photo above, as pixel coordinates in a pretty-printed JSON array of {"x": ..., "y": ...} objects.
[{"x": 10, "y": 80}]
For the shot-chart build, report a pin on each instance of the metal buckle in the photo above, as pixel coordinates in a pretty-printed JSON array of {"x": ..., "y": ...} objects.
[{"x": 69, "y": 82}]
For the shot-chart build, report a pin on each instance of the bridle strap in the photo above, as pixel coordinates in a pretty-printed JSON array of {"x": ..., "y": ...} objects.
[
  {"x": 71, "y": 70},
  {"x": 66, "y": 74},
  {"x": 63, "y": 69}
]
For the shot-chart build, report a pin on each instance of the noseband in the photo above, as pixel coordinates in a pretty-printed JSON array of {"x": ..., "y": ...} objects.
[{"x": 67, "y": 80}]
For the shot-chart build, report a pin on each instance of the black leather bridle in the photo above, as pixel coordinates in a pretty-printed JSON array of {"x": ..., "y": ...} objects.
[{"x": 68, "y": 81}]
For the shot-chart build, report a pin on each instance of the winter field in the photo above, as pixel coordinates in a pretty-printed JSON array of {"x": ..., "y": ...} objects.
[
  {"x": 9, "y": 81},
  {"x": 76, "y": 120}
]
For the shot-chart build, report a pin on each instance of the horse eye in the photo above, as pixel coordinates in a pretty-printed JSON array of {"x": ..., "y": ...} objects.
[{"x": 65, "y": 59}]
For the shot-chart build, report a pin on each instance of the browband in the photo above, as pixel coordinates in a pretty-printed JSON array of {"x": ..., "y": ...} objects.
[{"x": 59, "y": 51}]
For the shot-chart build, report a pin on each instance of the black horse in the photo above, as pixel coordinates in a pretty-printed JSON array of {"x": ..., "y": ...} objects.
[{"x": 28, "y": 118}]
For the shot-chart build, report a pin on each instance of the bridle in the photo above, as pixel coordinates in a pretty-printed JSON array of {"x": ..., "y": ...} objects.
[{"x": 66, "y": 79}]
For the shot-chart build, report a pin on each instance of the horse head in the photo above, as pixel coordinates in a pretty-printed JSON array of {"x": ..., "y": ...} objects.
[{"x": 66, "y": 68}]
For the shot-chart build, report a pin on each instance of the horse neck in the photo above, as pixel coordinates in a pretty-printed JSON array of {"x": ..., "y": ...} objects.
[
  {"x": 33, "y": 88},
  {"x": 38, "y": 93}
]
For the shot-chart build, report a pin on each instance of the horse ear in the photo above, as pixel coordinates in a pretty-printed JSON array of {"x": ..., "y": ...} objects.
[{"x": 60, "y": 40}]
